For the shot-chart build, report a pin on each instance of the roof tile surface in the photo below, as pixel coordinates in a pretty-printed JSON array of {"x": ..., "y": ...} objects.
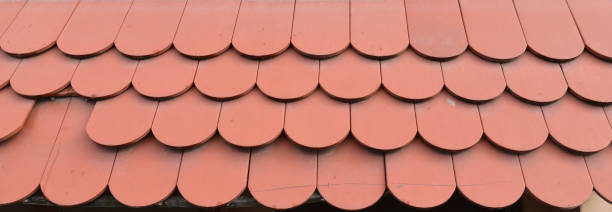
[{"x": 283, "y": 98}]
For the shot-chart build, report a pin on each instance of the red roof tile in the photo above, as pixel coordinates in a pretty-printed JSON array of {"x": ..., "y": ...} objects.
[
  {"x": 282, "y": 185},
  {"x": 93, "y": 27},
  {"x": 78, "y": 169},
  {"x": 155, "y": 20},
  {"x": 144, "y": 173},
  {"x": 371, "y": 38},
  {"x": 321, "y": 27},
  {"x": 37, "y": 26},
  {"x": 349, "y": 110}
]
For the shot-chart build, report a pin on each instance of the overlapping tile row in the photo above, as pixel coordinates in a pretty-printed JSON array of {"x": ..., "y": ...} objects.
[
  {"x": 498, "y": 30},
  {"x": 53, "y": 151},
  {"x": 218, "y": 93}
]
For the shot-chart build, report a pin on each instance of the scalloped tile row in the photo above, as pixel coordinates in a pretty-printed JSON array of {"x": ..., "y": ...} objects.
[{"x": 490, "y": 121}]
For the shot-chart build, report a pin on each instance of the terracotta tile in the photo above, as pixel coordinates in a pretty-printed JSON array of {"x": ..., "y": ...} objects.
[
  {"x": 214, "y": 173},
  {"x": 121, "y": 120},
  {"x": 589, "y": 78},
  {"x": 186, "y": 120},
  {"x": 263, "y": 28},
  {"x": 435, "y": 28},
  {"x": 534, "y": 79},
  {"x": 226, "y": 76},
  {"x": 206, "y": 27},
  {"x": 252, "y": 120},
  {"x": 383, "y": 122},
  {"x": 369, "y": 36},
  {"x": 144, "y": 173},
  {"x": 350, "y": 176},
  {"x": 167, "y": 75},
  {"x": 595, "y": 32},
  {"x": 513, "y": 124},
  {"x": 78, "y": 169},
  {"x": 103, "y": 76},
  {"x": 493, "y": 29},
  {"x": 549, "y": 29},
  {"x": 282, "y": 185},
  {"x": 8, "y": 65},
  {"x": 577, "y": 125},
  {"x": 600, "y": 170},
  {"x": 487, "y": 176},
  {"x": 14, "y": 111},
  {"x": 350, "y": 76},
  {"x": 155, "y": 20},
  {"x": 448, "y": 123},
  {"x": 289, "y": 76},
  {"x": 472, "y": 78},
  {"x": 24, "y": 156},
  {"x": 556, "y": 177},
  {"x": 93, "y": 27},
  {"x": 37, "y": 26},
  {"x": 317, "y": 121},
  {"x": 8, "y": 12},
  {"x": 420, "y": 176},
  {"x": 44, "y": 74},
  {"x": 411, "y": 77},
  {"x": 321, "y": 27}
]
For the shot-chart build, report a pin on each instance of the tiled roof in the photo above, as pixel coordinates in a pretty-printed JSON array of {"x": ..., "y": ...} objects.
[{"x": 351, "y": 98}]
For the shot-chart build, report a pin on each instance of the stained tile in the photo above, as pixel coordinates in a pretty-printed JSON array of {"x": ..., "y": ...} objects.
[
  {"x": 263, "y": 28},
  {"x": 448, "y": 123},
  {"x": 213, "y": 174},
  {"x": 155, "y": 20},
  {"x": 513, "y": 124},
  {"x": 349, "y": 76},
  {"x": 321, "y": 27},
  {"x": 282, "y": 185},
  {"x": 493, "y": 29},
  {"x": 289, "y": 76},
  {"x": 24, "y": 156},
  {"x": 595, "y": 32},
  {"x": 8, "y": 12},
  {"x": 226, "y": 76},
  {"x": 164, "y": 76},
  {"x": 350, "y": 177},
  {"x": 186, "y": 120},
  {"x": 436, "y": 28},
  {"x": 589, "y": 78},
  {"x": 411, "y": 77},
  {"x": 206, "y": 27},
  {"x": 556, "y": 177},
  {"x": 144, "y": 173},
  {"x": 252, "y": 120},
  {"x": 487, "y": 176},
  {"x": 317, "y": 121},
  {"x": 78, "y": 169},
  {"x": 14, "y": 111},
  {"x": 420, "y": 176},
  {"x": 121, "y": 120},
  {"x": 472, "y": 78},
  {"x": 37, "y": 26},
  {"x": 8, "y": 65},
  {"x": 44, "y": 74},
  {"x": 600, "y": 170},
  {"x": 103, "y": 76},
  {"x": 383, "y": 122},
  {"x": 93, "y": 27},
  {"x": 534, "y": 79},
  {"x": 577, "y": 125},
  {"x": 549, "y": 29},
  {"x": 369, "y": 36}
]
